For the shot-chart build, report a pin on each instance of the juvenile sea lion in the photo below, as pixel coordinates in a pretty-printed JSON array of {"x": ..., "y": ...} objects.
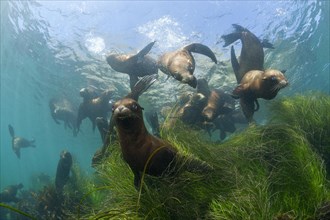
[
  {"x": 137, "y": 144},
  {"x": 135, "y": 65},
  {"x": 252, "y": 54},
  {"x": 19, "y": 142},
  {"x": 190, "y": 113},
  {"x": 9, "y": 193},
  {"x": 152, "y": 119},
  {"x": 181, "y": 64},
  {"x": 63, "y": 110},
  {"x": 258, "y": 84},
  {"x": 93, "y": 107},
  {"x": 63, "y": 170}
]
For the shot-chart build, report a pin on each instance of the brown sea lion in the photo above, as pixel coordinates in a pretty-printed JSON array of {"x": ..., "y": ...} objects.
[
  {"x": 135, "y": 65},
  {"x": 181, "y": 64},
  {"x": 63, "y": 110},
  {"x": 93, "y": 107},
  {"x": 19, "y": 142},
  {"x": 137, "y": 144},
  {"x": 9, "y": 193},
  {"x": 258, "y": 84},
  {"x": 252, "y": 54},
  {"x": 218, "y": 102},
  {"x": 63, "y": 170},
  {"x": 190, "y": 113}
]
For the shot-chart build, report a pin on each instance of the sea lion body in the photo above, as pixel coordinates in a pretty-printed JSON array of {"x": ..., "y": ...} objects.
[
  {"x": 138, "y": 146},
  {"x": 252, "y": 54},
  {"x": 63, "y": 110},
  {"x": 258, "y": 84},
  {"x": 180, "y": 64},
  {"x": 19, "y": 142},
  {"x": 63, "y": 170},
  {"x": 135, "y": 65},
  {"x": 94, "y": 107},
  {"x": 9, "y": 193}
]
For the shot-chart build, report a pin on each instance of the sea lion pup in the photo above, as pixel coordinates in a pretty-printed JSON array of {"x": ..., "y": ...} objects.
[
  {"x": 93, "y": 107},
  {"x": 63, "y": 110},
  {"x": 63, "y": 170},
  {"x": 252, "y": 54},
  {"x": 218, "y": 102},
  {"x": 258, "y": 84},
  {"x": 135, "y": 65},
  {"x": 181, "y": 64},
  {"x": 9, "y": 193},
  {"x": 19, "y": 142},
  {"x": 152, "y": 119}
]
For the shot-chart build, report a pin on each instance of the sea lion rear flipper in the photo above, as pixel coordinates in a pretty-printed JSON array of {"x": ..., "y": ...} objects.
[
  {"x": 18, "y": 153},
  {"x": 265, "y": 44},
  {"x": 141, "y": 86},
  {"x": 201, "y": 49},
  {"x": 235, "y": 64},
  {"x": 144, "y": 51},
  {"x": 232, "y": 37},
  {"x": 11, "y": 131}
]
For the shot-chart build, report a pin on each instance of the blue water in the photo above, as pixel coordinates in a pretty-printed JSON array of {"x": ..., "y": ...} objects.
[{"x": 55, "y": 48}]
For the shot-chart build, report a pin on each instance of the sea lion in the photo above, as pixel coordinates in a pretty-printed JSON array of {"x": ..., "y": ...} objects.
[
  {"x": 19, "y": 142},
  {"x": 135, "y": 65},
  {"x": 181, "y": 64},
  {"x": 152, "y": 119},
  {"x": 63, "y": 110},
  {"x": 218, "y": 102},
  {"x": 9, "y": 193},
  {"x": 137, "y": 144},
  {"x": 190, "y": 113},
  {"x": 252, "y": 54},
  {"x": 93, "y": 107},
  {"x": 258, "y": 84},
  {"x": 63, "y": 170}
]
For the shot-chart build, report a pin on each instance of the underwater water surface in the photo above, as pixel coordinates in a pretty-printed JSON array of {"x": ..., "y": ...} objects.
[{"x": 55, "y": 48}]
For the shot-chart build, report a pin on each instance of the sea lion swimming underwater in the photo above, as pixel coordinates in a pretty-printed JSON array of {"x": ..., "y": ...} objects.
[
  {"x": 135, "y": 65},
  {"x": 63, "y": 110},
  {"x": 181, "y": 64},
  {"x": 254, "y": 82},
  {"x": 19, "y": 142},
  {"x": 258, "y": 84},
  {"x": 9, "y": 193},
  {"x": 93, "y": 107},
  {"x": 63, "y": 170},
  {"x": 252, "y": 53}
]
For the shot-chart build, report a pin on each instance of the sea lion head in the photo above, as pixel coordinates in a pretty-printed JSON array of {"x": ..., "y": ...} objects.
[
  {"x": 85, "y": 93},
  {"x": 273, "y": 81},
  {"x": 127, "y": 114}
]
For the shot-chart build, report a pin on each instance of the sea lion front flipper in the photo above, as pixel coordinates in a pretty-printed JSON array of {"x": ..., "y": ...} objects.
[
  {"x": 139, "y": 56},
  {"x": 201, "y": 49},
  {"x": 18, "y": 153},
  {"x": 235, "y": 64},
  {"x": 265, "y": 44},
  {"x": 11, "y": 131},
  {"x": 133, "y": 80},
  {"x": 141, "y": 86},
  {"x": 247, "y": 108}
]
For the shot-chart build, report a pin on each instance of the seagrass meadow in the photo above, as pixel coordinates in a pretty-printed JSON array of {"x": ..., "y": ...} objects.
[{"x": 273, "y": 171}]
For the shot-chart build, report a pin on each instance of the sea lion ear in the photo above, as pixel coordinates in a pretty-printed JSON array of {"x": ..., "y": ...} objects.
[{"x": 283, "y": 71}]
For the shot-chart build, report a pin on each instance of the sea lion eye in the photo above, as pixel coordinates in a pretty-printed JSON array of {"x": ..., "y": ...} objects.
[
  {"x": 273, "y": 78},
  {"x": 134, "y": 107}
]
